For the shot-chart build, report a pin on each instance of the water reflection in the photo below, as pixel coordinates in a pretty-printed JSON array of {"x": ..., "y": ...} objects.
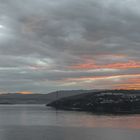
[{"x": 84, "y": 119}]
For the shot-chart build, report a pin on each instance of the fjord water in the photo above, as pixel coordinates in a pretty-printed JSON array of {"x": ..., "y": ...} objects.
[{"x": 37, "y": 122}]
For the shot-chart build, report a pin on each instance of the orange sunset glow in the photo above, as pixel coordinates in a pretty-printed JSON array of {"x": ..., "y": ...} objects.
[
  {"x": 24, "y": 92},
  {"x": 127, "y": 65}
]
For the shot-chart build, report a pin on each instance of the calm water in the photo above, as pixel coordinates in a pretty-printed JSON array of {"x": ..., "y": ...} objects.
[{"x": 37, "y": 122}]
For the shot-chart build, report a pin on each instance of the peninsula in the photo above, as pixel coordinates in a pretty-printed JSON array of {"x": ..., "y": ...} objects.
[{"x": 108, "y": 101}]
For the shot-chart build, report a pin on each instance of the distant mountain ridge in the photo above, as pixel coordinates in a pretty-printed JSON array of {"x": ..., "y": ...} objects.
[{"x": 16, "y": 98}]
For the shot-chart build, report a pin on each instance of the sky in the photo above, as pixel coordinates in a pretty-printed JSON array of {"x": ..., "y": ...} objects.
[{"x": 48, "y": 45}]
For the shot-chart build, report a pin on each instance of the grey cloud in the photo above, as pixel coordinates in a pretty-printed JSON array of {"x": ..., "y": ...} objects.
[{"x": 53, "y": 35}]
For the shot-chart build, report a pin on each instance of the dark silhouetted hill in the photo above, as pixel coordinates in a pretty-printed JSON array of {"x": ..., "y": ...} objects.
[{"x": 109, "y": 101}]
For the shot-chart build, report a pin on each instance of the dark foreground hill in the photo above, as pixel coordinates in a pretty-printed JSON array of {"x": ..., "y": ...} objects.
[
  {"x": 109, "y": 101},
  {"x": 15, "y": 98}
]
